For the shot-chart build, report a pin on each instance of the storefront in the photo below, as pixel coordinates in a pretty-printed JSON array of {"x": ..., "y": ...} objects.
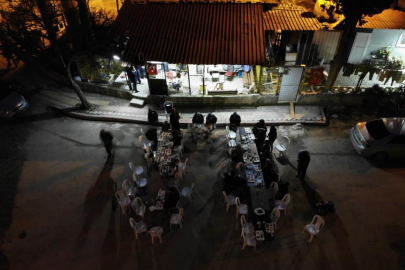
[{"x": 195, "y": 49}]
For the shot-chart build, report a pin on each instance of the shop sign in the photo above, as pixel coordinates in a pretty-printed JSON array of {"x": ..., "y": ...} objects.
[{"x": 152, "y": 69}]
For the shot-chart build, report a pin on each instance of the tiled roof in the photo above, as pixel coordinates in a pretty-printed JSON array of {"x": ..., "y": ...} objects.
[
  {"x": 388, "y": 19},
  {"x": 290, "y": 18},
  {"x": 193, "y": 33}
]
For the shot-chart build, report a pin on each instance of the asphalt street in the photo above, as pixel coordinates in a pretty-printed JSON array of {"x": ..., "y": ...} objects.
[{"x": 57, "y": 189}]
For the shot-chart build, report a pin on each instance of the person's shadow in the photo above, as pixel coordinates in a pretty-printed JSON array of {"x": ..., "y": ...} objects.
[{"x": 97, "y": 198}]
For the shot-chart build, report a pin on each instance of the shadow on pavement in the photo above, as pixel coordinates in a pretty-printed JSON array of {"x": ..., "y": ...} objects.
[
  {"x": 97, "y": 198},
  {"x": 387, "y": 164}
]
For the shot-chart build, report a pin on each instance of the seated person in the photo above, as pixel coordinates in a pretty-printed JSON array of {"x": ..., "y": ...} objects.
[
  {"x": 235, "y": 119},
  {"x": 173, "y": 169},
  {"x": 172, "y": 198},
  {"x": 229, "y": 186},
  {"x": 149, "y": 158},
  {"x": 211, "y": 120},
  {"x": 176, "y": 138},
  {"x": 260, "y": 137},
  {"x": 166, "y": 126},
  {"x": 151, "y": 135},
  {"x": 198, "y": 118}
]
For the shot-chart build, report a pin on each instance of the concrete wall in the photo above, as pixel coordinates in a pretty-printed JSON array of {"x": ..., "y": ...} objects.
[
  {"x": 257, "y": 100},
  {"x": 384, "y": 38}
]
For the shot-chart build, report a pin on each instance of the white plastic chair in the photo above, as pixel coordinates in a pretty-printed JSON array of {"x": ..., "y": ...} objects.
[
  {"x": 126, "y": 186},
  {"x": 274, "y": 216},
  {"x": 177, "y": 219},
  {"x": 240, "y": 208},
  {"x": 273, "y": 190},
  {"x": 139, "y": 207},
  {"x": 186, "y": 191},
  {"x": 183, "y": 166},
  {"x": 131, "y": 165},
  {"x": 123, "y": 200},
  {"x": 139, "y": 227},
  {"x": 139, "y": 172},
  {"x": 229, "y": 200},
  {"x": 247, "y": 226},
  {"x": 282, "y": 205},
  {"x": 249, "y": 239},
  {"x": 141, "y": 182},
  {"x": 282, "y": 146},
  {"x": 314, "y": 227},
  {"x": 156, "y": 231},
  {"x": 179, "y": 149}
]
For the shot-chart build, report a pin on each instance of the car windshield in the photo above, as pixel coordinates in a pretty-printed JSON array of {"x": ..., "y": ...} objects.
[{"x": 377, "y": 129}]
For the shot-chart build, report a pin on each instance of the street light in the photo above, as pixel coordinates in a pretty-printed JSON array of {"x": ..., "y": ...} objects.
[{"x": 116, "y": 57}]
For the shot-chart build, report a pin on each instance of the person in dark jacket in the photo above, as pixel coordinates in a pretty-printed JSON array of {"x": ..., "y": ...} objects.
[
  {"x": 283, "y": 189},
  {"x": 235, "y": 119},
  {"x": 174, "y": 119},
  {"x": 260, "y": 137},
  {"x": 166, "y": 126},
  {"x": 176, "y": 137},
  {"x": 198, "y": 118},
  {"x": 172, "y": 199},
  {"x": 272, "y": 136},
  {"x": 303, "y": 159},
  {"x": 151, "y": 135},
  {"x": 211, "y": 119},
  {"x": 107, "y": 138},
  {"x": 261, "y": 124}
]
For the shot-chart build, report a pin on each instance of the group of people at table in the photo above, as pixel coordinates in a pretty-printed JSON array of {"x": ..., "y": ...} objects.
[
  {"x": 250, "y": 178},
  {"x": 255, "y": 170}
]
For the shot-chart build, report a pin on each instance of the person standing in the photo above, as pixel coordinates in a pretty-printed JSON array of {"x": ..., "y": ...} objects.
[
  {"x": 174, "y": 119},
  {"x": 272, "y": 136},
  {"x": 234, "y": 121},
  {"x": 106, "y": 137},
  {"x": 303, "y": 159},
  {"x": 131, "y": 78}
]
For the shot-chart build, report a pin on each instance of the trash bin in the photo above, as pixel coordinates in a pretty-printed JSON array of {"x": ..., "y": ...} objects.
[{"x": 168, "y": 108}]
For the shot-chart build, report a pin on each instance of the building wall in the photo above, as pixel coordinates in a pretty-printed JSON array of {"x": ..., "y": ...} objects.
[
  {"x": 384, "y": 38},
  {"x": 327, "y": 42}
]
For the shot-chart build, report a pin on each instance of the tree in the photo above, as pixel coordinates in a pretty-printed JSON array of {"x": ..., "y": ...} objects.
[{"x": 354, "y": 12}]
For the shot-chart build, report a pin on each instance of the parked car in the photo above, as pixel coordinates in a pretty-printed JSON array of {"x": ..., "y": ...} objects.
[
  {"x": 382, "y": 138},
  {"x": 11, "y": 103}
]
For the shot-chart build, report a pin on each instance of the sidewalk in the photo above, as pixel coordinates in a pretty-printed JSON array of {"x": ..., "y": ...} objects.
[{"x": 106, "y": 108}]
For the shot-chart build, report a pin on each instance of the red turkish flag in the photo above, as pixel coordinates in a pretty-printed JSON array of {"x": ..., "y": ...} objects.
[
  {"x": 152, "y": 69},
  {"x": 315, "y": 76}
]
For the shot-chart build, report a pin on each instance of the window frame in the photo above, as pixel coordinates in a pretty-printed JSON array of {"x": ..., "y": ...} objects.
[{"x": 401, "y": 37}]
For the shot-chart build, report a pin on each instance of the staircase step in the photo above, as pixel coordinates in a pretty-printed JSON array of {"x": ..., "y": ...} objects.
[
  {"x": 140, "y": 95},
  {"x": 136, "y": 102}
]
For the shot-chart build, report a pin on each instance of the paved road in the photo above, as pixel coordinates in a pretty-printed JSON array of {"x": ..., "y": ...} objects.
[{"x": 63, "y": 215}]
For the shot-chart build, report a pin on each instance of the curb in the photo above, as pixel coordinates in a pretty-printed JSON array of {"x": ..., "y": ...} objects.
[{"x": 82, "y": 116}]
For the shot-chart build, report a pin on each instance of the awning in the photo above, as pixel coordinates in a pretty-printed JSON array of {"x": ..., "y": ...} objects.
[{"x": 193, "y": 33}]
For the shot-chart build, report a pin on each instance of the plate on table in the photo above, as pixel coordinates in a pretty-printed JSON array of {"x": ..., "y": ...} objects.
[
  {"x": 260, "y": 235},
  {"x": 256, "y": 159},
  {"x": 252, "y": 137},
  {"x": 259, "y": 211}
]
